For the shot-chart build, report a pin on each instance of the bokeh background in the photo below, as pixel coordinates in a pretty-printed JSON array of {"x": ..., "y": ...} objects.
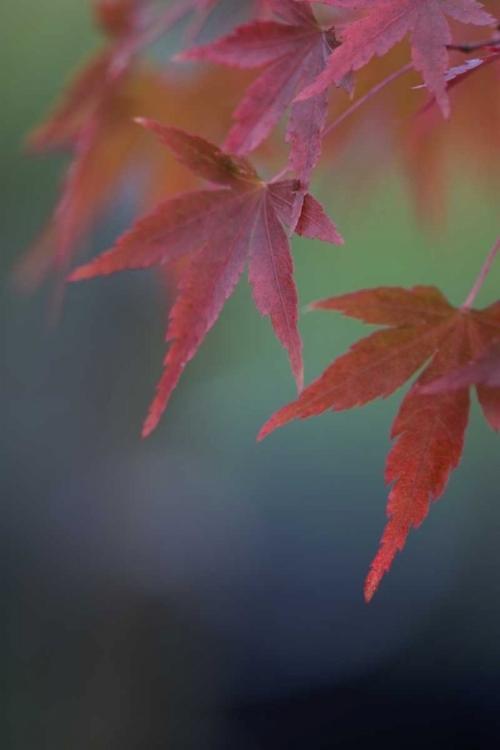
[{"x": 198, "y": 590}]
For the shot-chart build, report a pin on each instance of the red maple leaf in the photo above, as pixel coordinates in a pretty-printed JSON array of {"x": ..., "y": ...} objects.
[
  {"x": 429, "y": 428},
  {"x": 219, "y": 228},
  {"x": 294, "y": 52},
  {"x": 386, "y": 23}
]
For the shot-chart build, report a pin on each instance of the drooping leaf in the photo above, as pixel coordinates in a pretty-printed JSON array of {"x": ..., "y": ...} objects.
[
  {"x": 385, "y": 24},
  {"x": 219, "y": 229},
  {"x": 429, "y": 428}
]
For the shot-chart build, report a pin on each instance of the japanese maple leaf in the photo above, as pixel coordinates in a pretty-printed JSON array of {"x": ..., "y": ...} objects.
[
  {"x": 294, "y": 53},
  {"x": 386, "y": 23},
  {"x": 219, "y": 228},
  {"x": 429, "y": 429}
]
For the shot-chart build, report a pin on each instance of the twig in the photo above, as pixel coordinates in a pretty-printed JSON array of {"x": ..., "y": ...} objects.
[
  {"x": 373, "y": 92},
  {"x": 280, "y": 175},
  {"x": 473, "y": 46},
  {"x": 482, "y": 275}
]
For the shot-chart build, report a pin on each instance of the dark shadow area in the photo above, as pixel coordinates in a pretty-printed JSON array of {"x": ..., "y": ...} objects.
[
  {"x": 92, "y": 666},
  {"x": 368, "y": 714}
]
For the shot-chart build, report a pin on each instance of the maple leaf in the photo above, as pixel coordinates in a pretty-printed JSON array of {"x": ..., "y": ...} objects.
[
  {"x": 386, "y": 23},
  {"x": 294, "y": 53},
  {"x": 219, "y": 228},
  {"x": 429, "y": 429}
]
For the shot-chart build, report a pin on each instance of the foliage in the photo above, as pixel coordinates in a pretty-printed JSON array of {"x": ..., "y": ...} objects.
[{"x": 208, "y": 212}]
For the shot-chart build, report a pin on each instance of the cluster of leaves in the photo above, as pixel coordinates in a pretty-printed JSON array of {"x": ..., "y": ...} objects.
[{"x": 318, "y": 64}]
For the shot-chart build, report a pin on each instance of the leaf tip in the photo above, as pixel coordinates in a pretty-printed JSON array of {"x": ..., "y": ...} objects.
[
  {"x": 187, "y": 54},
  {"x": 150, "y": 424},
  {"x": 371, "y": 585},
  {"x": 144, "y": 122},
  {"x": 79, "y": 274},
  {"x": 266, "y": 429},
  {"x": 303, "y": 95},
  {"x": 445, "y": 108},
  {"x": 368, "y": 595}
]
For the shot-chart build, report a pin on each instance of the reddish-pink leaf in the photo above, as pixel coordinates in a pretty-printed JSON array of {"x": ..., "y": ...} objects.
[
  {"x": 379, "y": 364},
  {"x": 386, "y": 23},
  {"x": 202, "y": 157},
  {"x": 429, "y": 428},
  {"x": 294, "y": 53},
  {"x": 207, "y": 282},
  {"x": 313, "y": 222},
  {"x": 489, "y": 399},
  {"x": 391, "y": 306},
  {"x": 218, "y": 229},
  {"x": 175, "y": 228},
  {"x": 429, "y": 433}
]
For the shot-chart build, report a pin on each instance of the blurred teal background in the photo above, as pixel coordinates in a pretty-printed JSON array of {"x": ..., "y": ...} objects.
[{"x": 199, "y": 590}]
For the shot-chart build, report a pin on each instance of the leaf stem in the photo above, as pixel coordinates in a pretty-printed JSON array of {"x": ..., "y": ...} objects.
[
  {"x": 474, "y": 46},
  {"x": 482, "y": 275},
  {"x": 280, "y": 175},
  {"x": 369, "y": 94}
]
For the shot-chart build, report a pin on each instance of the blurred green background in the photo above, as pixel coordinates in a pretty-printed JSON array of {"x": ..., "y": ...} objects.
[{"x": 178, "y": 592}]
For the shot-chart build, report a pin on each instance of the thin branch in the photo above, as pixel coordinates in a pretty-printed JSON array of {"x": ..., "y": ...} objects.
[
  {"x": 482, "y": 275},
  {"x": 460, "y": 77},
  {"x": 363, "y": 99},
  {"x": 473, "y": 46},
  {"x": 283, "y": 173}
]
